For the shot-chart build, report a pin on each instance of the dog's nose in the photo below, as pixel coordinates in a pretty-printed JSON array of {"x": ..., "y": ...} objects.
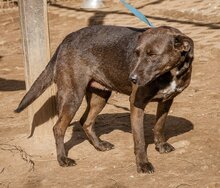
[{"x": 133, "y": 78}]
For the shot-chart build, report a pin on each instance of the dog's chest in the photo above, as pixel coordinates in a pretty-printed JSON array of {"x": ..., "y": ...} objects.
[{"x": 172, "y": 87}]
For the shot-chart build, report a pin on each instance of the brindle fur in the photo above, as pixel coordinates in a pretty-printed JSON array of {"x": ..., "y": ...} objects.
[{"x": 96, "y": 60}]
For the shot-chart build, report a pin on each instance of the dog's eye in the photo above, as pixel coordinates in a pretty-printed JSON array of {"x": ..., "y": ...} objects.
[
  {"x": 151, "y": 53},
  {"x": 137, "y": 52}
]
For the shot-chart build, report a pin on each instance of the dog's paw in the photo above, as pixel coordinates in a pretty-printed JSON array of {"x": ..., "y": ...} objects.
[
  {"x": 145, "y": 168},
  {"x": 104, "y": 146},
  {"x": 65, "y": 161},
  {"x": 164, "y": 147}
]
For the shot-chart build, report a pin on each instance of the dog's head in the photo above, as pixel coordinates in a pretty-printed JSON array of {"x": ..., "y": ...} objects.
[{"x": 158, "y": 51}]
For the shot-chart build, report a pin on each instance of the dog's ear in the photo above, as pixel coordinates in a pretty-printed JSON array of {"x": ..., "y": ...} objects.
[
  {"x": 186, "y": 46},
  {"x": 182, "y": 43}
]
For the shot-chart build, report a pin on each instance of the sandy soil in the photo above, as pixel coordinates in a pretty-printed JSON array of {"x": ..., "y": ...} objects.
[{"x": 192, "y": 126}]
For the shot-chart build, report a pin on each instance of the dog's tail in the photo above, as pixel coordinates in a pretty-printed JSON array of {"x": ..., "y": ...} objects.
[{"x": 40, "y": 85}]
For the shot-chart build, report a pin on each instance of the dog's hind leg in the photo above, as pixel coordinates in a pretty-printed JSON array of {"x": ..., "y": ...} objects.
[
  {"x": 96, "y": 101},
  {"x": 69, "y": 98},
  {"x": 160, "y": 143}
]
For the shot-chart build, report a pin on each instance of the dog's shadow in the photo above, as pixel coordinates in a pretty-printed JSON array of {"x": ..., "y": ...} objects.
[{"x": 106, "y": 123}]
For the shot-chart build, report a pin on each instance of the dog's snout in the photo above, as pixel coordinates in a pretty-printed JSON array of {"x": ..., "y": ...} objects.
[{"x": 133, "y": 78}]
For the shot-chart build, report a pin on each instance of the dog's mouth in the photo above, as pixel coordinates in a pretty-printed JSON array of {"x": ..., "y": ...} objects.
[
  {"x": 181, "y": 68},
  {"x": 155, "y": 77}
]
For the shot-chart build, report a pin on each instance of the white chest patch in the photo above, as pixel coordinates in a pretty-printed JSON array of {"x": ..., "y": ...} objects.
[
  {"x": 171, "y": 88},
  {"x": 173, "y": 85}
]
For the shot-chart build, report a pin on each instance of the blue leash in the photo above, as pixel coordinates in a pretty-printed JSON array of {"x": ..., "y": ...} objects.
[{"x": 137, "y": 13}]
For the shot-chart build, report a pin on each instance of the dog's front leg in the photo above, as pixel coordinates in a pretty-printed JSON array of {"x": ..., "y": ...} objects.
[
  {"x": 137, "y": 105},
  {"x": 160, "y": 143}
]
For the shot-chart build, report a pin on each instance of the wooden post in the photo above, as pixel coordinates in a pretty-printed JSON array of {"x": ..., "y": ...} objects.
[{"x": 34, "y": 26}]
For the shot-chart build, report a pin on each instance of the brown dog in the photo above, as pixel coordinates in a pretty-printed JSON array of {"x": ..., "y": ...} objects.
[{"x": 147, "y": 64}]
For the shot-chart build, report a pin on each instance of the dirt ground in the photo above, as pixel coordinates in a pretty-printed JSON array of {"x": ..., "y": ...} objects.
[{"x": 192, "y": 126}]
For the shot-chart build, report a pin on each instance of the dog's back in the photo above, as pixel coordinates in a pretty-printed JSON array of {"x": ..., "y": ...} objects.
[{"x": 106, "y": 52}]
